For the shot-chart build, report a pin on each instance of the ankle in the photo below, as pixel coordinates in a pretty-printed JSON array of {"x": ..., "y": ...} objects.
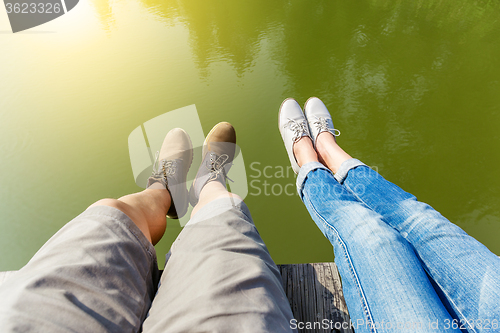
[
  {"x": 304, "y": 151},
  {"x": 329, "y": 152},
  {"x": 147, "y": 210},
  {"x": 322, "y": 149},
  {"x": 213, "y": 191},
  {"x": 155, "y": 200}
]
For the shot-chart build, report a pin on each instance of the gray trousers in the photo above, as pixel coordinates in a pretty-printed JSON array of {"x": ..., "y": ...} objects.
[{"x": 99, "y": 274}]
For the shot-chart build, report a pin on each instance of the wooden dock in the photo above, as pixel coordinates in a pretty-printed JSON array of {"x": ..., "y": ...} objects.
[{"x": 315, "y": 295}]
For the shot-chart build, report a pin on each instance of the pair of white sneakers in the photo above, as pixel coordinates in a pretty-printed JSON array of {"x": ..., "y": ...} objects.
[{"x": 295, "y": 124}]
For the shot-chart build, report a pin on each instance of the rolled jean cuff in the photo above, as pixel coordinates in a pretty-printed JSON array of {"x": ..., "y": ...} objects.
[
  {"x": 304, "y": 171},
  {"x": 345, "y": 167}
]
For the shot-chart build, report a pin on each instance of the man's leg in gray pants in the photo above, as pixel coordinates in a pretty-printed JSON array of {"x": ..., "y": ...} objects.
[
  {"x": 219, "y": 277},
  {"x": 97, "y": 274}
]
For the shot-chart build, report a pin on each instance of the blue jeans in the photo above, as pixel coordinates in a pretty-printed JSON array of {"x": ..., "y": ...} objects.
[{"x": 404, "y": 267}]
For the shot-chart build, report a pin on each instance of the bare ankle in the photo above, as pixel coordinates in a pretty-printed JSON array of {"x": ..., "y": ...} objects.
[
  {"x": 304, "y": 151},
  {"x": 213, "y": 191},
  {"x": 329, "y": 152}
]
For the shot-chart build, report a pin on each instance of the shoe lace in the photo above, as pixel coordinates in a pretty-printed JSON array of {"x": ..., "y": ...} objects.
[
  {"x": 299, "y": 129},
  {"x": 215, "y": 166},
  {"x": 322, "y": 125},
  {"x": 165, "y": 167}
]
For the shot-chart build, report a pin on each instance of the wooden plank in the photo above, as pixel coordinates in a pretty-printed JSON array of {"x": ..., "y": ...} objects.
[
  {"x": 309, "y": 300},
  {"x": 296, "y": 291},
  {"x": 340, "y": 311},
  {"x": 340, "y": 300},
  {"x": 301, "y": 297},
  {"x": 316, "y": 297},
  {"x": 322, "y": 293}
]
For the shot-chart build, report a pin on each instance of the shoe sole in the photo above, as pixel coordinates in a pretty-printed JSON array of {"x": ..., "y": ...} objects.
[
  {"x": 279, "y": 117},
  {"x": 281, "y": 107}
]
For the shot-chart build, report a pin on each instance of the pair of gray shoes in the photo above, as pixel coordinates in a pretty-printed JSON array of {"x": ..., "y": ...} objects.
[
  {"x": 174, "y": 160},
  {"x": 295, "y": 124}
]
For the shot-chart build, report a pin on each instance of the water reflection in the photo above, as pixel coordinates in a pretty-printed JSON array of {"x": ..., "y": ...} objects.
[
  {"x": 413, "y": 86},
  {"x": 221, "y": 30},
  {"x": 405, "y": 77},
  {"x": 104, "y": 12}
]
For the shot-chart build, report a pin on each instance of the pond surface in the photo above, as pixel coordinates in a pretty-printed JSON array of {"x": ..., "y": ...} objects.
[{"x": 413, "y": 85}]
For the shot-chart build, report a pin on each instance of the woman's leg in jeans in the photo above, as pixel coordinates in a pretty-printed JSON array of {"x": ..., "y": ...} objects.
[
  {"x": 466, "y": 272},
  {"x": 384, "y": 285}
]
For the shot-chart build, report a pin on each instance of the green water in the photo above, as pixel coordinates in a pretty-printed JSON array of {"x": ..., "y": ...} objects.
[{"x": 414, "y": 86}]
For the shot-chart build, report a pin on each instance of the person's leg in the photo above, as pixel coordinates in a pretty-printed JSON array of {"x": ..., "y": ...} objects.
[
  {"x": 97, "y": 274},
  {"x": 219, "y": 276},
  {"x": 385, "y": 286},
  {"x": 212, "y": 191},
  {"x": 147, "y": 209},
  {"x": 466, "y": 272}
]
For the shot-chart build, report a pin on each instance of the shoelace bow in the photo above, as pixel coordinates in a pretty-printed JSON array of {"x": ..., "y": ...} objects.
[
  {"x": 299, "y": 129},
  {"x": 216, "y": 166},
  {"x": 322, "y": 125},
  {"x": 167, "y": 168}
]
